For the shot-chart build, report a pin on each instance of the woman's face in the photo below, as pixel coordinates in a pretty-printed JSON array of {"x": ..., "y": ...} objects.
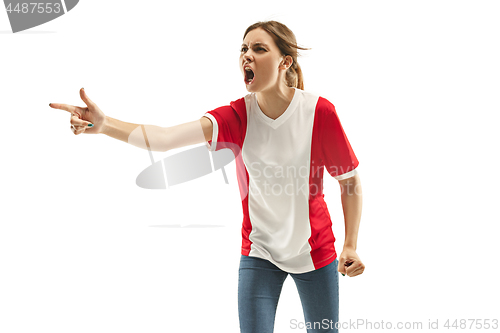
[{"x": 261, "y": 54}]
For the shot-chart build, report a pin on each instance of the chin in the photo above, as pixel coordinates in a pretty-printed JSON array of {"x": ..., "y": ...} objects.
[
  {"x": 259, "y": 87},
  {"x": 251, "y": 88}
]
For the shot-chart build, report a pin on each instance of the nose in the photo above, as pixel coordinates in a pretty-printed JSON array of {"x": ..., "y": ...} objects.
[{"x": 247, "y": 57}]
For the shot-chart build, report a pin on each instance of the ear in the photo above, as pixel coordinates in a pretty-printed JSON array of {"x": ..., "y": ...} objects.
[{"x": 286, "y": 62}]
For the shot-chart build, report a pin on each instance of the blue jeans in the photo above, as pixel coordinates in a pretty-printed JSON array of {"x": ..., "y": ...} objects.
[{"x": 259, "y": 288}]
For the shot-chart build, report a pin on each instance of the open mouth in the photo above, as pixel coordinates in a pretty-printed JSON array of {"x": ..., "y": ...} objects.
[{"x": 249, "y": 75}]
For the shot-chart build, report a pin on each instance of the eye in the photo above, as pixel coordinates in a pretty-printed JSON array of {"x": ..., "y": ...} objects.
[{"x": 244, "y": 49}]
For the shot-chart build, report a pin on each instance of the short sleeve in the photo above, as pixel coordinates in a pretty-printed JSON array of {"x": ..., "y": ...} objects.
[
  {"x": 338, "y": 155},
  {"x": 226, "y": 127}
]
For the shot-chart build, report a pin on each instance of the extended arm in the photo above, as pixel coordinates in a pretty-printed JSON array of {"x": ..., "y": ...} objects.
[{"x": 158, "y": 138}]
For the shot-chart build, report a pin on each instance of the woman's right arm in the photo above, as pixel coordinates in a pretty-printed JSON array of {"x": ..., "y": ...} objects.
[
  {"x": 92, "y": 120},
  {"x": 158, "y": 138}
]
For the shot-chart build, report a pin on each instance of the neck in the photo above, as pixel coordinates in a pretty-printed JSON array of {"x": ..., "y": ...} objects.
[{"x": 274, "y": 101}]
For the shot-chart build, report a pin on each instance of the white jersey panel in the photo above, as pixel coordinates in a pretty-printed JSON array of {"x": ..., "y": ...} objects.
[{"x": 277, "y": 154}]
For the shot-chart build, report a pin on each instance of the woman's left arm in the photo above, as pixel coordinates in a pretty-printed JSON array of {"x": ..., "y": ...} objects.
[{"x": 352, "y": 197}]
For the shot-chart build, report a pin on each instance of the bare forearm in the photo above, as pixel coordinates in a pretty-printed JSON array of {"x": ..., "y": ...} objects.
[
  {"x": 352, "y": 200},
  {"x": 153, "y": 137},
  {"x": 118, "y": 129}
]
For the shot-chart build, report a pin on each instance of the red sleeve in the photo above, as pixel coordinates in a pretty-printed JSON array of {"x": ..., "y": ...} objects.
[
  {"x": 338, "y": 156},
  {"x": 226, "y": 127}
]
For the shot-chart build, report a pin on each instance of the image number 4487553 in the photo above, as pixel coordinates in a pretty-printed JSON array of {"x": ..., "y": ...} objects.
[{"x": 24, "y": 15}]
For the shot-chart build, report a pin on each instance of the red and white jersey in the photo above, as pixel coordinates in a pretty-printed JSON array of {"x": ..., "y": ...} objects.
[{"x": 280, "y": 165}]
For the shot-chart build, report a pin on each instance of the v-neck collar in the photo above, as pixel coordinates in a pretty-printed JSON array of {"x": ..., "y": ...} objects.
[{"x": 275, "y": 123}]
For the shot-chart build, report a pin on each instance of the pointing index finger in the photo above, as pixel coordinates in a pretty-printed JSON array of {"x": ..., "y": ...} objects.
[{"x": 70, "y": 108}]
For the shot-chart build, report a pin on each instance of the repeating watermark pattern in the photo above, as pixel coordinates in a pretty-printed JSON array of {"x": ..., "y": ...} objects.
[
  {"x": 24, "y": 15},
  {"x": 262, "y": 179},
  {"x": 432, "y": 324},
  {"x": 184, "y": 166},
  {"x": 266, "y": 180}
]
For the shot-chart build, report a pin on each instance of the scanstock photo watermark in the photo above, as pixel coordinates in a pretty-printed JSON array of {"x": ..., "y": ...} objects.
[
  {"x": 293, "y": 177},
  {"x": 24, "y": 15},
  {"x": 301, "y": 178},
  {"x": 430, "y": 324}
]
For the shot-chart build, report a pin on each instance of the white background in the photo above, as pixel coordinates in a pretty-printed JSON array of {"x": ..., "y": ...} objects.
[{"x": 83, "y": 249}]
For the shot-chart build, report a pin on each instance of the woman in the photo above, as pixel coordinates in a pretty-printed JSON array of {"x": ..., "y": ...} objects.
[{"x": 283, "y": 138}]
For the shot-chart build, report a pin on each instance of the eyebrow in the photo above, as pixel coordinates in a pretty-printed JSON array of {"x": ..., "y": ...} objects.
[{"x": 258, "y": 43}]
